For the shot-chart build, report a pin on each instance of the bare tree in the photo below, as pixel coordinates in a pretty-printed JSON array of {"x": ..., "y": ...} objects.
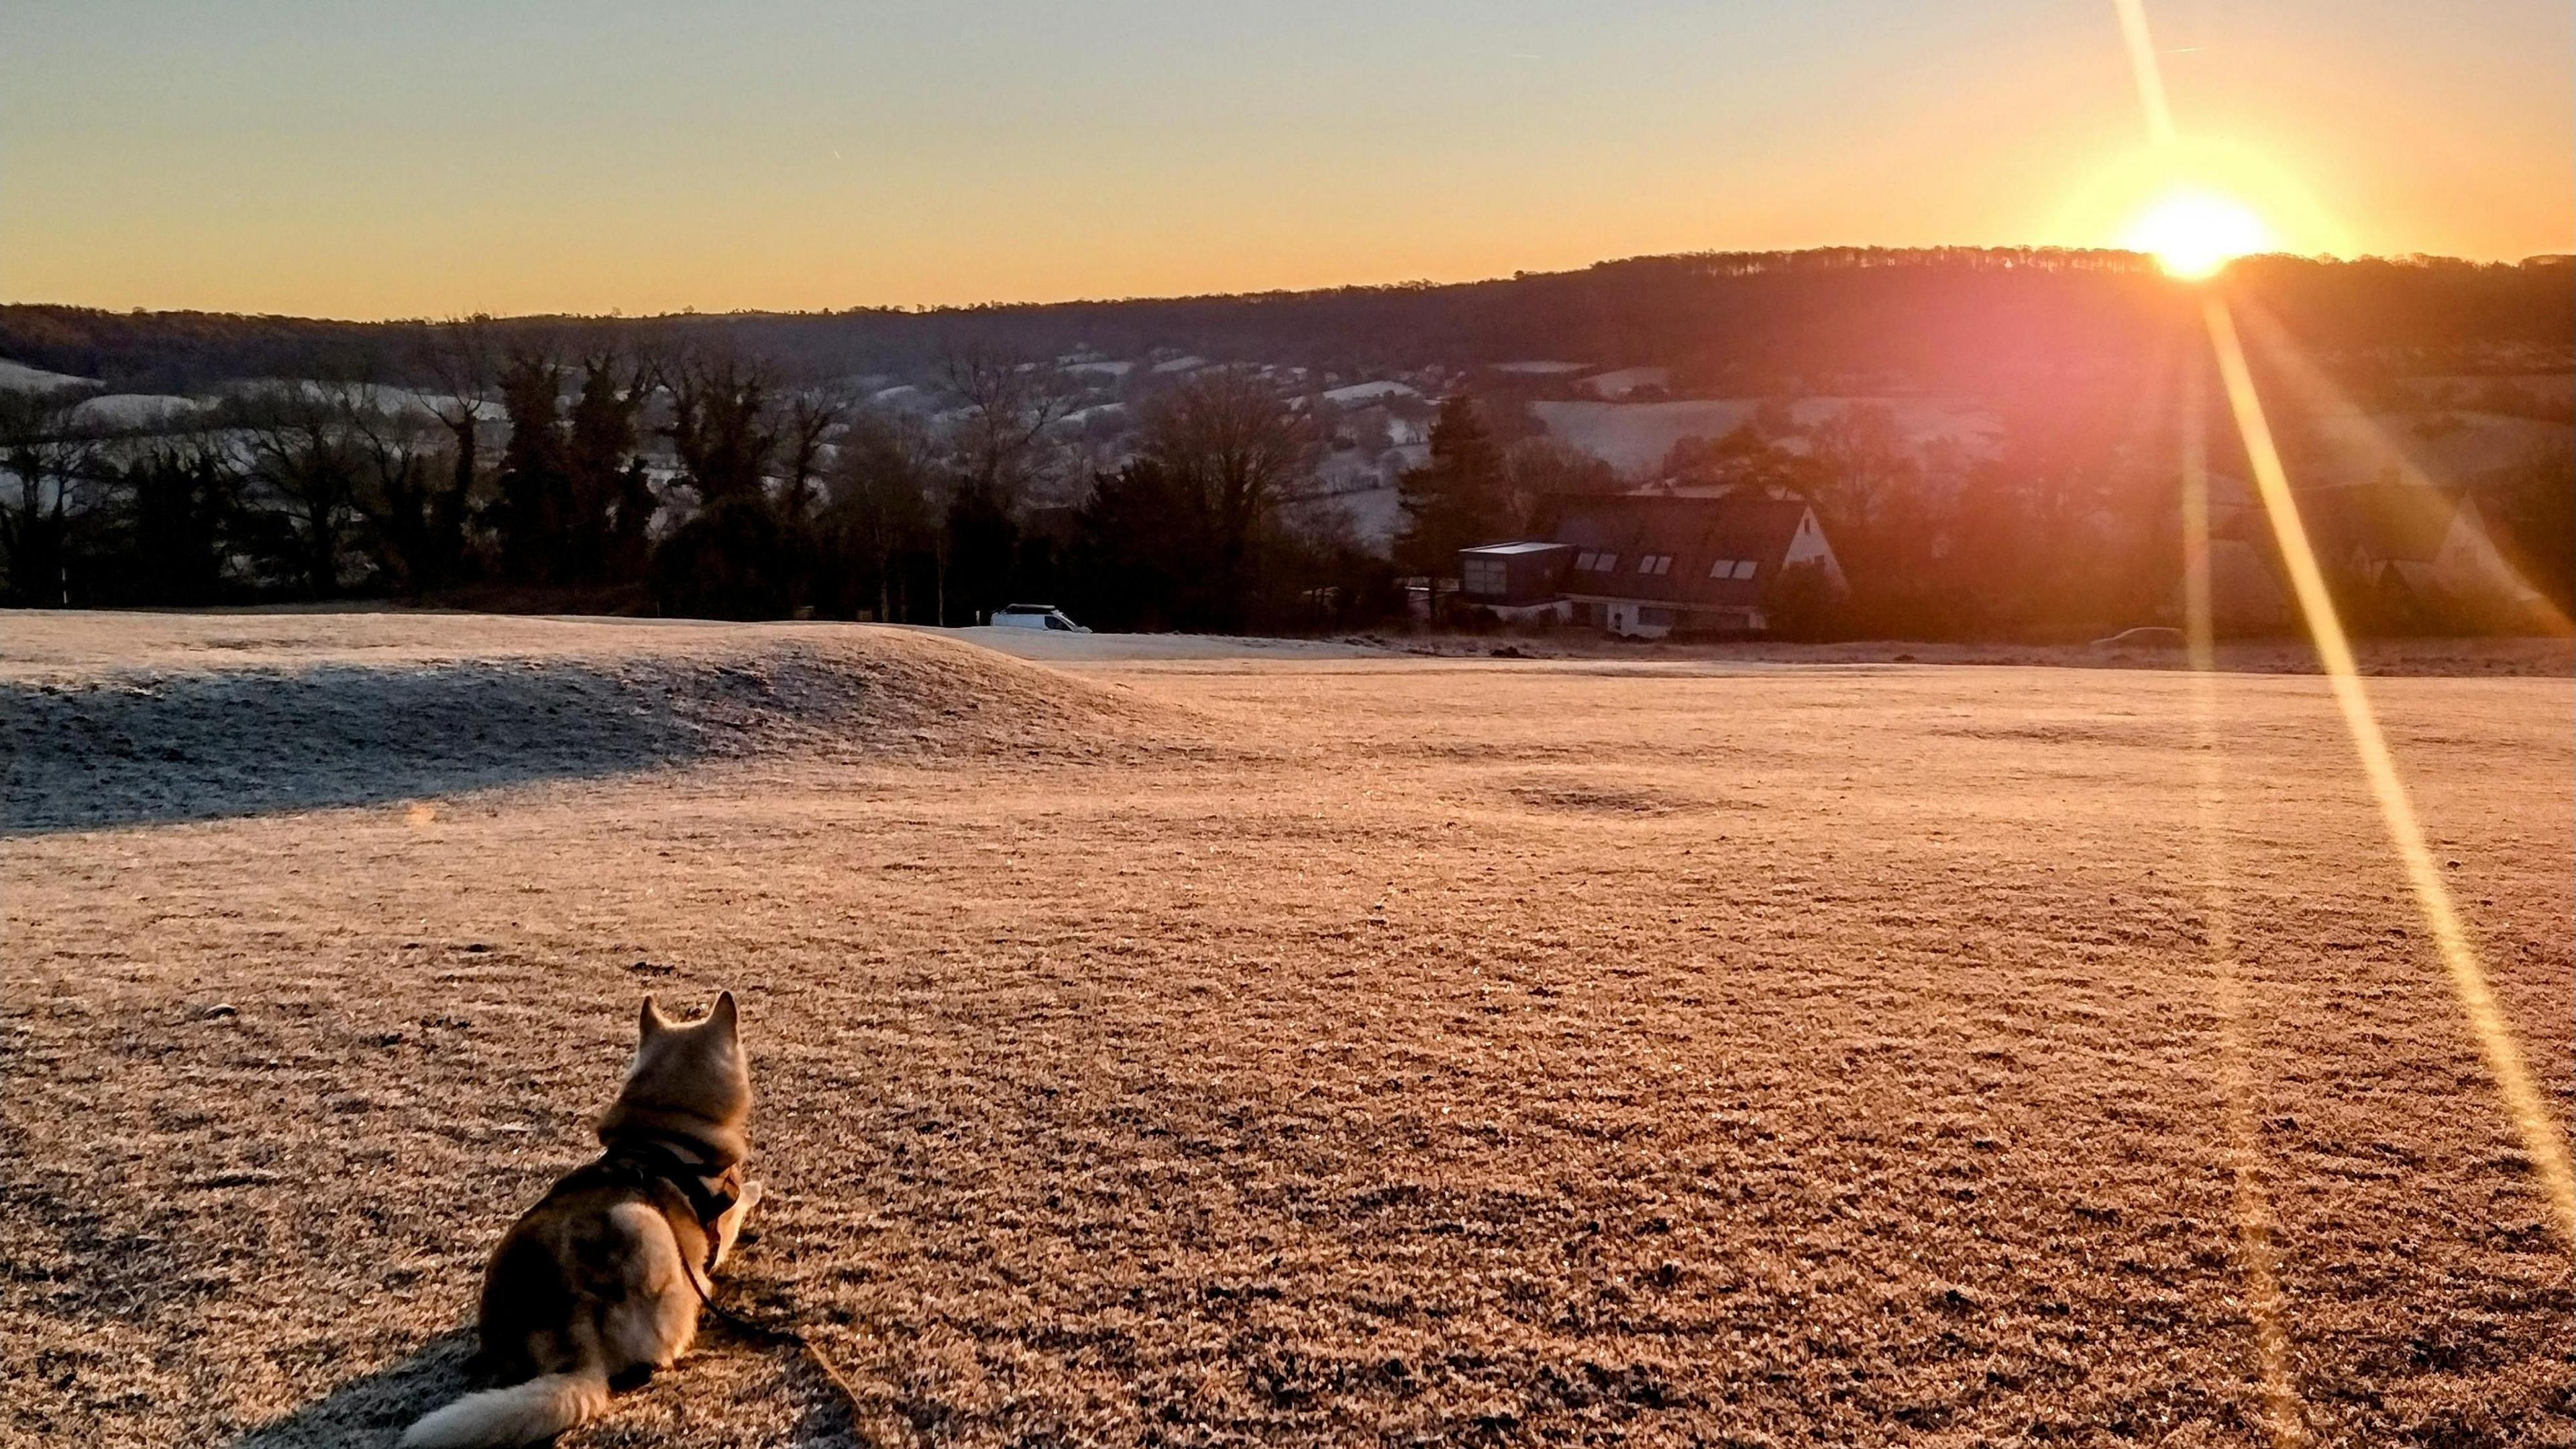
[
  {"x": 1538, "y": 469},
  {"x": 304, "y": 456},
  {"x": 723, "y": 424},
  {"x": 1231, "y": 447},
  {"x": 463, "y": 358},
  {"x": 48, "y": 455},
  {"x": 1864, "y": 467},
  {"x": 813, "y": 414},
  {"x": 1009, "y": 405},
  {"x": 397, "y": 490}
]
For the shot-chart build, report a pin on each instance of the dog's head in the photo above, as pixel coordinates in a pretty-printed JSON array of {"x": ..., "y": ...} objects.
[{"x": 689, "y": 1069}]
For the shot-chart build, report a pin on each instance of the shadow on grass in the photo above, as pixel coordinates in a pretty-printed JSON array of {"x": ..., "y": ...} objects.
[
  {"x": 373, "y": 1410},
  {"x": 251, "y": 742},
  {"x": 827, "y": 1421}
]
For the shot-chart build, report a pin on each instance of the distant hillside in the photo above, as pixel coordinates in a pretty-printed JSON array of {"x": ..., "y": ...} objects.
[{"x": 1956, "y": 319}]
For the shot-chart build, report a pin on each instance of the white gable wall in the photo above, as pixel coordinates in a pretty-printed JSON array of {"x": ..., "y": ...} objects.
[
  {"x": 1808, "y": 545},
  {"x": 2468, "y": 564}
]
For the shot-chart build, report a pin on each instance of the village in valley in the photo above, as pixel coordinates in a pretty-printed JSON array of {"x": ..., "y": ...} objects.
[{"x": 743, "y": 468}]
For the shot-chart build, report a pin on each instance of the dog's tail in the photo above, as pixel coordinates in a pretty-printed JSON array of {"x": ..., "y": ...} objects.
[{"x": 528, "y": 1413}]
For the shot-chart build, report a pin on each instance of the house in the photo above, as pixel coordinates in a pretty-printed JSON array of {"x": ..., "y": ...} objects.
[
  {"x": 2394, "y": 554},
  {"x": 2247, "y": 594},
  {"x": 2413, "y": 552},
  {"x": 1516, "y": 581},
  {"x": 1646, "y": 565}
]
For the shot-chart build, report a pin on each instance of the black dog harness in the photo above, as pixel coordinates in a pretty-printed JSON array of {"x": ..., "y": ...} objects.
[
  {"x": 710, "y": 1186},
  {"x": 706, "y": 1186}
]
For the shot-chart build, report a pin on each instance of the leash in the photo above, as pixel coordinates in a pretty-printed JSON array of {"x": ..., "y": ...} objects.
[
  {"x": 651, "y": 1159},
  {"x": 779, "y": 1335}
]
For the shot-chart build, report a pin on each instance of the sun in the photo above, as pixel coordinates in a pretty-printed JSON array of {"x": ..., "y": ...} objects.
[{"x": 2194, "y": 234}]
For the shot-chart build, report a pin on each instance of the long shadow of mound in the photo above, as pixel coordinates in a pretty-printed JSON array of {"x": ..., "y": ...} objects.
[
  {"x": 374, "y": 1409},
  {"x": 204, "y": 746}
]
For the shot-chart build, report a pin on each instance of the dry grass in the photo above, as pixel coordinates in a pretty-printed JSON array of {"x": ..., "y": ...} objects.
[{"x": 1302, "y": 1048}]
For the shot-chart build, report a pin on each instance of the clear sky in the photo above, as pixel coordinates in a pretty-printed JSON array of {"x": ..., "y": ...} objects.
[{"x": 361, "y": 159}]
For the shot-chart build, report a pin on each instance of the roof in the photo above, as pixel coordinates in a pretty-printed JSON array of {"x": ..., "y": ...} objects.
[
  {"x": 1695, "y": 532},
  {"x": 2379, "y": 522},
  {"x": 1525, "y": 546}
]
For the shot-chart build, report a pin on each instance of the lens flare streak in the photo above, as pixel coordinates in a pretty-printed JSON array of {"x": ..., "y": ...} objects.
[
  {"x": 2284, "y": 1418},
  {"x": 2543, "y": 1143}
]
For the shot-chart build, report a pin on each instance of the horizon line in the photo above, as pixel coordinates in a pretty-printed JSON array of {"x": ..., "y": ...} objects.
[{"x": 2142, "y": 260}]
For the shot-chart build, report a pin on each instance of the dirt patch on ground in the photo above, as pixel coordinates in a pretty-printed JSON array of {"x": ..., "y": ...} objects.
[
  {"x": 1306, "y": 1084},
  {"x": 202, "y": 716}
]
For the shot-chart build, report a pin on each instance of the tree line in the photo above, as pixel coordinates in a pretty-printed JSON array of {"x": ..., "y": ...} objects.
[
  {"x": 693, "y": 482},
  {"x": 697, "y": 480}
]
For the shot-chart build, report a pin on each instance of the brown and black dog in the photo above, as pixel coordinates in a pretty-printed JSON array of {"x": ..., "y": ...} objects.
[{"x": 600, "y": 1283}]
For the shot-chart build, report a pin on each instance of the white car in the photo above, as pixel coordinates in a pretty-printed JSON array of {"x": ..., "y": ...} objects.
[{"x": 1035, "y": 616}]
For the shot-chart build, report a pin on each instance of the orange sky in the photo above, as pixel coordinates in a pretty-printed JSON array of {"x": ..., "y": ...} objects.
[{"x": 365, "y": 160}]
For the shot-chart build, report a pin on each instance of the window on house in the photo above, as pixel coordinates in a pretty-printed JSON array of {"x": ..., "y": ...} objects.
[
  {"x": 1482, "y": 575},
  {"x": 1722, "y": 569},
  {"x": 1655, "y": 563},
  {"x": 1744, "y": 568},
  {"x": 1596, "y": 563}
]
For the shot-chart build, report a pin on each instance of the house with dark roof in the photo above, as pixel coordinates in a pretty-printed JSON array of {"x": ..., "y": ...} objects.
[
  {"x": 2412, "y": 550},
  {"x": 1646, "y": 565},
  {"x": 2399, "y": 554},
  {"x": 2247, "y": 592},
  {"x": 1516, "y": 581}
]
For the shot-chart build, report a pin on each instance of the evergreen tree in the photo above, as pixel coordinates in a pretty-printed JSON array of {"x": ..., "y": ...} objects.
[
  {"x": 604, "y": 508},
  {"x": 629, "y": 546},
  {"x": 1142, "y": 552},
  {"x": 184, "y": 504},
  {"x": 1455, "y": 501},
  {"x": 878, "y": 516},
  {"x": 536, "y": 486}
]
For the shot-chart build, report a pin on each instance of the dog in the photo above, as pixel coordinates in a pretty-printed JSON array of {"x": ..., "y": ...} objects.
[{"x": 599, "y": 1285}]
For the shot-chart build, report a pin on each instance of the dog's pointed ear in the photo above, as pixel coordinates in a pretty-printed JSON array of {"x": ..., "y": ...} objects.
[
  {"x": 649, "y": 1022},
  {"x": 722, "y": 1016}
]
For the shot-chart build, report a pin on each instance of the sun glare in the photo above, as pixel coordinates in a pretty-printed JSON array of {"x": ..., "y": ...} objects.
[{"x": 2193, "y": 234}]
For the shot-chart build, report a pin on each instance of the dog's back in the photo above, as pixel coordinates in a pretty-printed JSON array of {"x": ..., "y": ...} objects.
[{"x": 597, "y": 1285}]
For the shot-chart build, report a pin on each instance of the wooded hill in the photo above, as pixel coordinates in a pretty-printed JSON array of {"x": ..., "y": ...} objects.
[{"x": 1952, "y": 319}]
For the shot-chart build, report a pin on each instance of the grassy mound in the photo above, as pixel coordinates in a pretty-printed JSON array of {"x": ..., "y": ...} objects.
[{"x": 208, "y": 716}]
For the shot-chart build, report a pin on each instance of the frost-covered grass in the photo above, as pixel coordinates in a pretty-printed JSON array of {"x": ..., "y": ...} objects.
[
  {"x": 19, "y": 377},
  {"x": 1316, "y": 1044}
]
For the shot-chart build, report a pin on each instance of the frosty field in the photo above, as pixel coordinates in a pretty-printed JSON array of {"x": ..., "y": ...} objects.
[{"x": 1300, "y": 1044}]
